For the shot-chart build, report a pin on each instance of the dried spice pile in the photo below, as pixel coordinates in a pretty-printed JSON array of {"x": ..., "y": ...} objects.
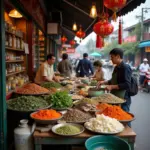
[
  {"x": 27, "y": 103},
  {"x": 32, "y": 88},
  {"x": 109, "y": 98},
  {"x": 76, "y": 115}
]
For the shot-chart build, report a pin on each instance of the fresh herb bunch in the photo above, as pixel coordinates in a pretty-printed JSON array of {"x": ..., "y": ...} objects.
[
  {"x": 60, "y": 100},
  {"x": 27, "y": 103},
  {"x": 51, "y": 84}
]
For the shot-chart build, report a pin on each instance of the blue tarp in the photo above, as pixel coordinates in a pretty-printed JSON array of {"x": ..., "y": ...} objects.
[{"x": 144, "y": 44}]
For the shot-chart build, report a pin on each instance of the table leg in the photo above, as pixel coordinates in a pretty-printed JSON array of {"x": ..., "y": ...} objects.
[{"x": 38, "y": 147}]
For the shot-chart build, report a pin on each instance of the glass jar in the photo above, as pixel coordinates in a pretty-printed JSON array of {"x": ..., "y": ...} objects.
[
  {"x": 9, "y": 85},
  {"x": 13, "y": 85},
  {"x": 7, "y": 89},
  {"x": 10, "y": 40}
]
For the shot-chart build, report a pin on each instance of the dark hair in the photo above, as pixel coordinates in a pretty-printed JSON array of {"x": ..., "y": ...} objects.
[
  {"x": 49, "y": 56},
  {"x": 117, "y": 51},
  {"x": 97, "y": 63},
  {"x": 65, "y": 56},
  {"x": 85, "y": 55}
]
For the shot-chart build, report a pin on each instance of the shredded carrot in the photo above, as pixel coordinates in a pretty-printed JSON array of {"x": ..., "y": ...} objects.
[
  {"x": 113, "y": 112},
  {"x": 46, "y": 114},
  {"x": 102, "y": 106}
]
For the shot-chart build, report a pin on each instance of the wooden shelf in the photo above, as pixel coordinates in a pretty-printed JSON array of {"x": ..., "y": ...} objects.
[
  {"x": 13, "y": 34},
  {"x": 12, "y": 61},
  {"x": 10, "y": 74},
  {"x": 14, "y": 49},
  {"x": 8, "y": 95}
]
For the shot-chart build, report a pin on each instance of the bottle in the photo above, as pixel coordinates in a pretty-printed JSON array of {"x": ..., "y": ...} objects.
[
  {"x": 14, "y": 41},
  {"x": 23, "y": 136},
  {"x": 10, "y": 41}
]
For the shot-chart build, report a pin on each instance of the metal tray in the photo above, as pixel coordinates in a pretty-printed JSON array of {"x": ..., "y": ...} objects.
[
  {"x": 54, "y": 128},
  {"x": 60, "y": 109},
  {"x": 108, "y": 133},
  {"x": 126, "y": 121}
]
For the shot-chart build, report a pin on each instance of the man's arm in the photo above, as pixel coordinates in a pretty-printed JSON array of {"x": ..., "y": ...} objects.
[
  {"x": 91, "y": 67},
  {"x": 78, "y": 66}
]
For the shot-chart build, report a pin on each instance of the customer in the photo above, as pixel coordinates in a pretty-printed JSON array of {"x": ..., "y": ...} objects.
[
  {"x": 64, "y": 67},
  {"x": 99, "y": 73},
  {"x": 144, "y": 67},
  {"x": 120, "y": 82},
  {"x": 84, "y": 67},
  {"x": 45, "y": 72}
]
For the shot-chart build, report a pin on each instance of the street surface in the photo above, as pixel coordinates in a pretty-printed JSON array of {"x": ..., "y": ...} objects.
[{"x": 140, "y": 107}]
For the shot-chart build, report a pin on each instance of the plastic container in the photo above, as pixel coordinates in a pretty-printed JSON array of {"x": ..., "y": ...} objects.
[
  {"x": 23, "y": 136},
  {"x": 106, "y": 142}
]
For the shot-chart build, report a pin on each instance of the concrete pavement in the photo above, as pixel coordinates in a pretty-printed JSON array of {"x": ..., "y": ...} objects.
[{"x": 140, "y": 107}]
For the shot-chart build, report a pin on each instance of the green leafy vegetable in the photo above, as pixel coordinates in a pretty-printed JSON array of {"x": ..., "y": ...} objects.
[
  {"x": 27, "y": 103},
  {"x": 60, "y": 100},
  {"x": 51, "y": 84}
]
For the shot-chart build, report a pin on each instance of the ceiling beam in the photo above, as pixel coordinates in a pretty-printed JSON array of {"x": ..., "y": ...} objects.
[
  {"x": 74, "y": 6},
  {"x": 68, "y": 29},
  {"x": 43, "y": 5},
  {"x": 91, "y": 24}
]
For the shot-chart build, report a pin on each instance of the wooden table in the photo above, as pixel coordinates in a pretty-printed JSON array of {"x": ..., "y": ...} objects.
[{"x": 51, "y": 139}]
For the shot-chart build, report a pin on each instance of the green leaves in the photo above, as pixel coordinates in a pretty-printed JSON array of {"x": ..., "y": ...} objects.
[
  {"x": 60, "y": 100},
  {"x": 51, "y": 84}
]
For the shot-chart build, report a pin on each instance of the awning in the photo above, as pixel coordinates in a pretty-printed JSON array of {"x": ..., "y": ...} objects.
[
  {"x": 144, "y": 44},
  {"x": 95, "y": 54}
]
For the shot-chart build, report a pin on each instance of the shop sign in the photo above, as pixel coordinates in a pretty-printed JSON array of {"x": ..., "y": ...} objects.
[
  {"x": 66, "y": 45},
  {"x": 70, "y": 50},
  {"x": 147, "y": 49},
  {"x": 130, "y": 39}
]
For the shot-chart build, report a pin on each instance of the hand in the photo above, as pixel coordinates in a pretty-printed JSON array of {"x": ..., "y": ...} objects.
[
  {"x": 109, "y": 87},
  {"x": 100, "y": 83},
  {"x": 57, "y": 80}
]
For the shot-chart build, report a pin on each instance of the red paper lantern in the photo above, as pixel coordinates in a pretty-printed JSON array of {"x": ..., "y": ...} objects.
[
  {"x": 63, "y": 39},
  {"x": 80, "y": 34},
  {"x": 99, "y": 42},
  {"x": 72, "y": 42},
  {"x": 103, "y": 28},
  {"x": 114, "y": 5}
]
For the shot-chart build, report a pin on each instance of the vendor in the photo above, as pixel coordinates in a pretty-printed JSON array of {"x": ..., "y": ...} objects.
[
  {"x": 64, "y": 67},
  {"x": 99, "y": 73},
  {"x": 45, "y": 72},
  {"x": 120, "y": 83}
]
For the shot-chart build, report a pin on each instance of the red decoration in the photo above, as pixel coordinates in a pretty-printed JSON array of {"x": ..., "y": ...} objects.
[
  {"x": 72, "y": 42},
  {"x": 99, "y": 42},
  {"x": 63, "y": 39},
  {"x": 120, "y": 32},
  {"x": 114, "y": 5},
  {"x": 80, "y": 34}
]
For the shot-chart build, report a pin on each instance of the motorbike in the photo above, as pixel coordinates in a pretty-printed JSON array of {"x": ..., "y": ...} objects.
[{"x": 147, "y": 82}]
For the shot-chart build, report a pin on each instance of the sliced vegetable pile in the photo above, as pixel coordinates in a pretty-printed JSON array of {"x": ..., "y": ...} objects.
[
  {"x": 51, "y": 84},
  {"x": 60, "y": 100},
  {"x": 27, "y": 103}
]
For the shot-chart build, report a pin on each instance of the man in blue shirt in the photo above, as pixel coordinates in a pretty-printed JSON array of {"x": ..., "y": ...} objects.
[{"x": 84, "y": 66}]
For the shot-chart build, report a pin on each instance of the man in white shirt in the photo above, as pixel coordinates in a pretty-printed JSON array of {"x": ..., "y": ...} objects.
[
  {"x": 45, "y": 72},
  {"x": 144, "y": 67}
]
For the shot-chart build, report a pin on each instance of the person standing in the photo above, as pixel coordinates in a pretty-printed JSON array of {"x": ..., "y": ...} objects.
[
  {"x": 64, "y": 67},
  {"x": 84, "y": 67},
  {"x": 144, "y": 67},
  {"x": 45, "y": 72},
  {"x": 99, "y": 73},
  {"x": 120, "y": 82}
]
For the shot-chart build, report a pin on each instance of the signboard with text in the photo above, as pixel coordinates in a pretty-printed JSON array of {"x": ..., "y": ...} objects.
[
  {"x": 70, "y": 50},
  {"x": 130, "y": 39},
  {"x": 147, "y": 49}
]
